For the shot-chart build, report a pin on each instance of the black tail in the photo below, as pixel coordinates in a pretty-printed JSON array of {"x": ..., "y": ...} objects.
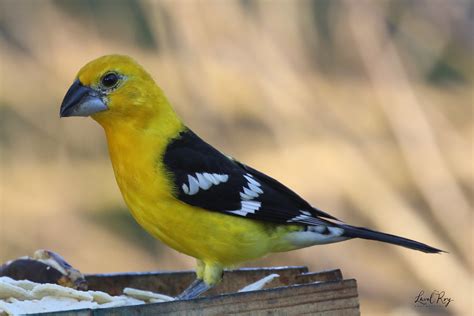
[{"x": 365, "y": 233}]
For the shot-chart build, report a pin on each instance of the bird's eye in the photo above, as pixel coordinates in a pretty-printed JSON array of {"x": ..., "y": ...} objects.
[{"x": 109, "y": 80}]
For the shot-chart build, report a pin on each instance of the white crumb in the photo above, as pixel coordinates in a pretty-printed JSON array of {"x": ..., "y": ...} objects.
[
  {"x": 23, "y": 297},
  {"x": 146, "y": 295},
  {"x": 43, "y": 290},
  {"x": 259, "y": 284}
]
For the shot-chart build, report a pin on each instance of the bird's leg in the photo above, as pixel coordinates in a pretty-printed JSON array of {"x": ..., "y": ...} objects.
[{"x": 208, "y": 275}]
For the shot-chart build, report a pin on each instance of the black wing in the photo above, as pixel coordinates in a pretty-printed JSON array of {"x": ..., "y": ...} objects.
[{"x": 206, "y": 178}]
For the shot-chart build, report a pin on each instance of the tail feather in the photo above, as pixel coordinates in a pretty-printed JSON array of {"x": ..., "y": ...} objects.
[{"x": 365, "y": 233}]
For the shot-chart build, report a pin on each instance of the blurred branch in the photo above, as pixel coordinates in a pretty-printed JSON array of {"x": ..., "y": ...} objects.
[{"x": 410, "y": 125}]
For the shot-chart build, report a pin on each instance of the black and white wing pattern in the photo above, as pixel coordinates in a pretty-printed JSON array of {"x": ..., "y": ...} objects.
[{"x": 206, "y": 178}]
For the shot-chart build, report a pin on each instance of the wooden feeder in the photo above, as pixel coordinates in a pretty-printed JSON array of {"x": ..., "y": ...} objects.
[{"x": 295, "y": 292}]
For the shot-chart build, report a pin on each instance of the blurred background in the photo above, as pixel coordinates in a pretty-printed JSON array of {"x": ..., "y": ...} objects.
[{"x": 363, "y": 107}]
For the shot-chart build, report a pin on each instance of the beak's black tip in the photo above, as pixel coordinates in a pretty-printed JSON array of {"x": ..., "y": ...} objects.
[
  {"x": 75, "y": 93},
  {"x": 63, "y": 114}
]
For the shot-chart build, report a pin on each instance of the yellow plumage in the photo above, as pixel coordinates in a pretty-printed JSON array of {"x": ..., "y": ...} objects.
[
  {"x": 140, "y": 125},
  {"x": 136, "y": 146}
]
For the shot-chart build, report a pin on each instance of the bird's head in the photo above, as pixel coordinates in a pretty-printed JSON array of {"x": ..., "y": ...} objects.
[{"x": 113, "y": 88}]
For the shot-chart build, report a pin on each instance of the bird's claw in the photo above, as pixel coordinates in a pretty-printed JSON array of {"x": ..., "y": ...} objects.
[{"x": 194, "y": 290}]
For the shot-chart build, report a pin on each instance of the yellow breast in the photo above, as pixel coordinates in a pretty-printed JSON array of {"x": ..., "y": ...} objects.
[{"x": 210, "y": 236}]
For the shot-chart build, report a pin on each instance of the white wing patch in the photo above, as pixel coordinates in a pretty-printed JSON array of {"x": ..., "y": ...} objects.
[
  {"x": 203, "y": 181},
  {"x": 305, "y": 217},
  {"x": 253, "y": 190},
  {"x": 249, "y": 193},
  {"x": 247, "y": 207}
]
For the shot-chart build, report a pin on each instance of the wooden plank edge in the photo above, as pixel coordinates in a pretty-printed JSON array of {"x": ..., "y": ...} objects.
[
  {"x": 320, "y": 276},
  {"x": 185, "y": 272},
  {"x": 236, "y": 303},
  {"x": 278, "y": 299},
  {"x": 173, "y": 282}
]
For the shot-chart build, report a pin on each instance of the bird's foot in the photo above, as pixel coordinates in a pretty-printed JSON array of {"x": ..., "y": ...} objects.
[{"x": 194, "y": 290}]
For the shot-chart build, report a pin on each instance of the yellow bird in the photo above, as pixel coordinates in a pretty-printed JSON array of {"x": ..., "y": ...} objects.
[{"x": 185, "y": 192}]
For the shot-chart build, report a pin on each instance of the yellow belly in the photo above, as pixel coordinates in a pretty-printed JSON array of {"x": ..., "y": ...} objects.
[{"x": 209, "y": 236}]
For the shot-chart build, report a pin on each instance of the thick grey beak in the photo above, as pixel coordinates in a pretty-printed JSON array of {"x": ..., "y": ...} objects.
[{"x": 81, "y": 101}]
